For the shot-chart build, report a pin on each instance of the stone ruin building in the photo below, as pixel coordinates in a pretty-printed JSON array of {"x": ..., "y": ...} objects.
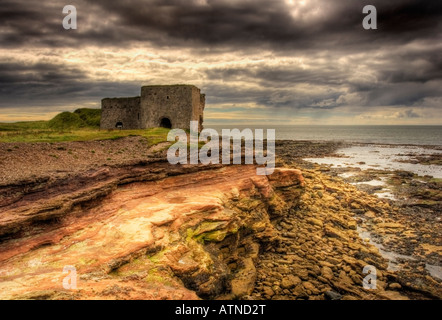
[{"x": 172, "y": 106}]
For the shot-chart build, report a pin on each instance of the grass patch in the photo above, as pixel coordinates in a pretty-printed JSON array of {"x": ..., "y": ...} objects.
[
  {"x": 80, "y": 125},
  {"x": 65, "y": 121},
  {"x": 23, "y": 126},
  {"x": 91, "y": 117},
  {"x": 153, "y": 136}
]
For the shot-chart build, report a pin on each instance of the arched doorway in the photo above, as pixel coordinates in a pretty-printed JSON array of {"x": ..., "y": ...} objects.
[
  {"x": 119, "y": 125},
  {"x": 165, "y": 123}
]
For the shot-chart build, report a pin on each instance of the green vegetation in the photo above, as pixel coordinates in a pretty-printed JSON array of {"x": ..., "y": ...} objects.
[
  {"x": 80, "y": 118},
  {"x": 153, "y": 136},
  {"x": 211, "y": 231},
  {"x": 22, "y": 126},
  {"x": 65, "y": 121},
  {"x": 91, "y": 117},
  {"x": 80, "y": 125}
]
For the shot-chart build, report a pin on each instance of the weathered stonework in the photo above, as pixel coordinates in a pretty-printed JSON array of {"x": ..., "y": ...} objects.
[
  {"x": 120, "y": 110},
  {"x": 171, "y": 106}
]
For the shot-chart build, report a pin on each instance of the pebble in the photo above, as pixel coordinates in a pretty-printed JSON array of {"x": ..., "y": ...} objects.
[
  {"x": 395, "y": 286},
  {"x": 332, "y": 295}
]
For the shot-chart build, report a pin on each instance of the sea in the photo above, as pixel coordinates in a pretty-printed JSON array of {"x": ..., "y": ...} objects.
[
  {"x": 375, "y": 147},
  {"x": 409, "y": 135}
]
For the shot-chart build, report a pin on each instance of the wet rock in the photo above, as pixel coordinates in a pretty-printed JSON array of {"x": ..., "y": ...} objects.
[{"x": 332, "y": 295}]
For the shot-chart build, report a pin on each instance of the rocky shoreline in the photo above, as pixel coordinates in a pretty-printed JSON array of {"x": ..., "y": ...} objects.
[
  {"x": 406, "y": 229},
  {"x": 139, "y": 228}
]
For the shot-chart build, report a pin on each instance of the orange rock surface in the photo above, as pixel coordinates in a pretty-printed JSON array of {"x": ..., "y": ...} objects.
[{"x": 143, "y": 240}]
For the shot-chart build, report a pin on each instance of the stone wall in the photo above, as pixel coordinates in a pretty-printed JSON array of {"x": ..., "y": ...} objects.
[
  {"x": 201, "y": 111},
  {"x": 125, "y": 111},
  {"x": 174, "y": 105},
  {"x": 178, "y": 103}
]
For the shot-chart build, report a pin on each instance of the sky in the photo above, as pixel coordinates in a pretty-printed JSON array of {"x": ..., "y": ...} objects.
[{"x": 269, "y": 62}]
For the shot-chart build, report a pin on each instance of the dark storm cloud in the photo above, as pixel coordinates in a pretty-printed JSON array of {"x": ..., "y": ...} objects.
[
  {"x": 275, "y": 77},
  {"x": 240, "y": 24},
  {"x": 237, "y": 24},
  {"x": 270, "y": 96},
  {"x": 276, "y": 86},
  {"x": 404, "y": 79},
  {"x": 405, "y": 94},
  {"x": 42, "y": 73},
  {"x": 27, "y": 22},
  {"x": 322, "y": 31},
  {"x": 252, "y": 22},
  {"x": 49, "y": 84},
  {"x": 414, "y": 67}
]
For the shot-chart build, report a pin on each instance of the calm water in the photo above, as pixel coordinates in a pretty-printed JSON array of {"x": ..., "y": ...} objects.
[
  {"x": 383, "y": 157},
  {"x": 417, "y": 135}
]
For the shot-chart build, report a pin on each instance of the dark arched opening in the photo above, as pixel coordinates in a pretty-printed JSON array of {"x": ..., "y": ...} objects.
[
  {"x": 119, "y": 125},
  {"x": 165, "y": 123}
]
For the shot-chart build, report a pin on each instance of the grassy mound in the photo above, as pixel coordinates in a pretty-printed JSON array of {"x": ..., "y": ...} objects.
[
  {"x": 91, "y": 117},
  {"x": 80, "y": 125},
  {"x": 66, "y": 120},
  {"x": 80, "y": 118}
]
